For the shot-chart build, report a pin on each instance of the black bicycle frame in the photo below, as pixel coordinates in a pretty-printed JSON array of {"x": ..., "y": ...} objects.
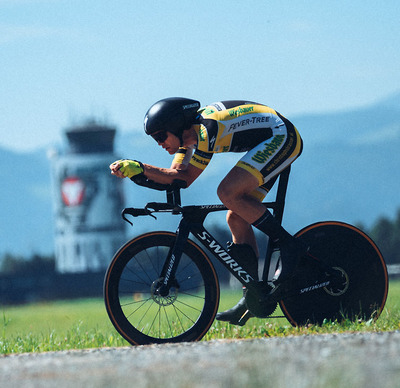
[{"x": 192, "y": 222}]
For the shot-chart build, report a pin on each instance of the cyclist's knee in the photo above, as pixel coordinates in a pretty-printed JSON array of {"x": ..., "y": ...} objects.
[
  {"x": 227, "y": 193},
  {"x": 233, "y": 219}
]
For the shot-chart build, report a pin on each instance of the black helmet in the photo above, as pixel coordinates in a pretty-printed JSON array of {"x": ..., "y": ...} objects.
[{"x": 174, "y": 114}]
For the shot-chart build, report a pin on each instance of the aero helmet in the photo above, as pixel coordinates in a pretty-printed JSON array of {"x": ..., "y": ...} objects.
[{"x": 174, "y": 114}]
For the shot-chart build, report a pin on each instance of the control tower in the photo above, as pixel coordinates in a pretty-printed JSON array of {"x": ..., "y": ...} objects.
[{"x": 87, "y": 200}]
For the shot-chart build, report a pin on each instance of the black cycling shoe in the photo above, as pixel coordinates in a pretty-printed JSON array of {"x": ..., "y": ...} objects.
[
  {"x": 245, "y": 256},
  {"x": 237, "y": 315}
]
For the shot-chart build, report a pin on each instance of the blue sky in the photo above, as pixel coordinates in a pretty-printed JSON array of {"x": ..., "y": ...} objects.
[{"x": 63, "y": 61}]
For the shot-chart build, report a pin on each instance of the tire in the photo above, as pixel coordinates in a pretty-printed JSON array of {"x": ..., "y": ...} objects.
[
  {"x": 363, "y": 287},
  {"x": 142, "y": 317}
]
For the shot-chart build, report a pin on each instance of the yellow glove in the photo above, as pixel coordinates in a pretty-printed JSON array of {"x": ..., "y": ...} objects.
[{"x": 130, "y": 168}]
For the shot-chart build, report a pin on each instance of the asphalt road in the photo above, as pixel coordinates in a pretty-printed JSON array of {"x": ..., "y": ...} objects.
[{"x": 345, "y": 360}]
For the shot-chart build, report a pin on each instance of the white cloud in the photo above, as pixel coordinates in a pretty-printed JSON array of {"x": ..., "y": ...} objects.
[
  {"x": 384, "y": 135},
  {"x": 10, "y": 33}
]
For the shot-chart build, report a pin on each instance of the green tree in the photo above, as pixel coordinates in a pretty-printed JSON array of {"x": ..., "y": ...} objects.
[
  {"x": 36, "y": 264},
  {"x": 386, "y": 234}
]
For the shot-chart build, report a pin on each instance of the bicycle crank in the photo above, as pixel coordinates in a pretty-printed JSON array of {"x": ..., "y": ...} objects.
[{"x": 256, "y": 303}]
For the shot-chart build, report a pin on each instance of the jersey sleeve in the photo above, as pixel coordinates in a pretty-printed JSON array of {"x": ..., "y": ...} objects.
[
  {"x": 200, "y": 159},
  {"x": 183, "y": 156}
]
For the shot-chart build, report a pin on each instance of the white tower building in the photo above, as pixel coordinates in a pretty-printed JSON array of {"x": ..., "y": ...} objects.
[{"x": 87, "y": 201}]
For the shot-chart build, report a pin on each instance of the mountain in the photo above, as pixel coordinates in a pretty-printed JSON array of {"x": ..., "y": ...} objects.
[
  {"x": 26, "y": 203},
  {"x": 350, "y": 165},
  {"x": 348, "y": 171}
]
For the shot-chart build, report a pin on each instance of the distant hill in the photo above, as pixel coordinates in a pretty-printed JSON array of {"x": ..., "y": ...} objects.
[
  {"x": 26, "y": 204},
  {"x": 349, "y": 171}
]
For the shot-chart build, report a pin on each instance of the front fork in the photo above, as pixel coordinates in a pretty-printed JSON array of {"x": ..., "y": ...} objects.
[{"x": 167, "y": 276}]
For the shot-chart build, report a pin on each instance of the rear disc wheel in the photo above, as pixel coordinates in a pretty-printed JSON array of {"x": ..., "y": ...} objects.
[{"x": 359, "y": 290}]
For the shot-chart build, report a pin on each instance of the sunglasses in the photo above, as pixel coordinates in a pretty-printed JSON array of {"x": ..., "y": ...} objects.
[{"x": 160, "y": 136}]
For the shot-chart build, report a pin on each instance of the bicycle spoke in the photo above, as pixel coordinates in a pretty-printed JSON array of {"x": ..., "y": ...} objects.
[
  {"x": 187, "y": 305},
  {"x": 142, "y": 301},
  {"x": 168, "y": 323},
  {"x": 138, "y": 308},
  {"x": 136, "y": 275},
  {"x": 132, "y": 281},
  {"x": 193, "y": 295},
  {"x": 185, "y": 315}
]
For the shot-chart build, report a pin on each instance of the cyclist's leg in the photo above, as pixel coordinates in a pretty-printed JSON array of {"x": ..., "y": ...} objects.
[
  {"x": 243, "y": 190},
  {"x": 242, "y": 231},
  {"x": 245, "y": 252},
  {"x": 258, "y": 166},
  {"x": 291, "y": 249},
  {"x": 247, "y": 259}
]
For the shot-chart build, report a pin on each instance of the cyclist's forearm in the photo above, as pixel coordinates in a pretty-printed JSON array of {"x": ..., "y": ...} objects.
[{"x": 165, "y": 175}]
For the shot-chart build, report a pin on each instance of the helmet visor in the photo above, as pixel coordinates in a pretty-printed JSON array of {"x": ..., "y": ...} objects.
[{"x": 160, "y": 136}]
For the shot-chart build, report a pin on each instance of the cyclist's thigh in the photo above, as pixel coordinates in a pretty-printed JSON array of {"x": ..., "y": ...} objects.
[
  {"x": 237, "y": 181},
  {"x": 272, "y": 156}
]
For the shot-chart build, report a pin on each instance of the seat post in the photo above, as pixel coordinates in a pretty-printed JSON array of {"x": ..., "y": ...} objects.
[
  {"x": 281, "y": 194},
  {"x": 278, "y": 208}
]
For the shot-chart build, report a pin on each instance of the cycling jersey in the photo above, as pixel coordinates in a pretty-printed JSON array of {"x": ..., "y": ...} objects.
[{"x": 270, "y": 140}]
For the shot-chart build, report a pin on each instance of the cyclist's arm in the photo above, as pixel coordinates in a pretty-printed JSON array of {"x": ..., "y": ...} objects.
[
  {"x": 180, "y": 169},
  {"x": 188, "y": 173},
  {"x": 187, "y": 165}
]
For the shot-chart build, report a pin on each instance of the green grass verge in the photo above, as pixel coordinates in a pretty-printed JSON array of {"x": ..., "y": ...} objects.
[{"x": 82, "y": 324}]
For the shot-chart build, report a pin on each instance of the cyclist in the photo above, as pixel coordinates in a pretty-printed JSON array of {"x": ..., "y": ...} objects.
[{"x": 193, "y": 134}]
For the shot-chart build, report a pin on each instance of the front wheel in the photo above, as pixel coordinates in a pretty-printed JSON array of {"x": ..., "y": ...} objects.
[
  {"x": 361, "y": 285},
  {"x": 141, "y": 314}
]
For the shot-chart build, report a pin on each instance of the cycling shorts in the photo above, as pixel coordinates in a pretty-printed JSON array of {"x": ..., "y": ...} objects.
[{"x": 270, "y": 157}]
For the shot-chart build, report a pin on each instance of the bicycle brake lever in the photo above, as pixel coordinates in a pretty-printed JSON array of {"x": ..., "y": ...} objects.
[
  {"x": 135, "y": 213},
  {"x": 125, "y": 219}
]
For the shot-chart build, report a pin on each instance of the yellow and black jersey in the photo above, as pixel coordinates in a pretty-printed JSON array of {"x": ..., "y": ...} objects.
[{"x": 230, "y": 126}]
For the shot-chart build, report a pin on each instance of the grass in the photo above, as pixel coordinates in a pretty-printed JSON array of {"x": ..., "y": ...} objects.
[
  {"x": 61, "y": 325},
  {"x": 389, "y": 320},
  {"x": 82, "y": 324}
]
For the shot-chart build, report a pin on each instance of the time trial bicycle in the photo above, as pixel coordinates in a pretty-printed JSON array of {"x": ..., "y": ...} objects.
[{"x": 162, "y": 286}]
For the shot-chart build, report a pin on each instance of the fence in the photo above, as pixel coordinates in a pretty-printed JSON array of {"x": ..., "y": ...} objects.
[{"x": 26, "y": 289}]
